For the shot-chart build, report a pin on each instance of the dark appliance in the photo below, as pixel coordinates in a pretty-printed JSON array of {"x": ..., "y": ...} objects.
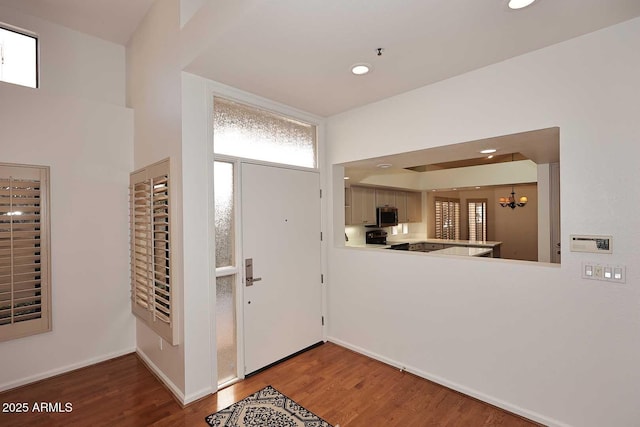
[
  {"x": 386, "y": 216},
  {"x": 376, "y": 237}
]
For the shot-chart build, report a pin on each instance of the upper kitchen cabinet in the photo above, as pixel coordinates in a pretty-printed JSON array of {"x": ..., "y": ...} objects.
[
  {"x": 385, "y": 197},
  {"x": 409, "y": 204},
  {"x": 414, "y": 207},
  {"x": 401, "y": 204},
  {"x": 363, "y": 205}
]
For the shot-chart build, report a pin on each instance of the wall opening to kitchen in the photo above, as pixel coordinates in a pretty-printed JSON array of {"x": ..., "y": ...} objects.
[{"x": 478, "y": 178}]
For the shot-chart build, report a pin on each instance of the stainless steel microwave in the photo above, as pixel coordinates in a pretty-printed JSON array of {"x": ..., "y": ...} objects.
[{"x": 386, "y": 216}]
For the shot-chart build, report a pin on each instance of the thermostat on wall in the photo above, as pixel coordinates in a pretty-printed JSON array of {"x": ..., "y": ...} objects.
[{"x": 595, "y": 244}]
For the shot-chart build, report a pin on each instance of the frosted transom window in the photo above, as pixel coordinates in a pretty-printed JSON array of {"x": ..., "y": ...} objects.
[
  {"x": 18, "y": 58},
  {"x": 243, "y": 131}
]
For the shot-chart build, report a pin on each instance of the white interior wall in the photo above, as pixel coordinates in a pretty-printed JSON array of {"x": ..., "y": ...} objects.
[
  {"x": 530, "y": 337},
  {"x": 172, "y": 121},
  {"x": 544, "y": 213},
  {"x": 154, "y": 92},
  {"x": 199, "y": 234},
  {"x": 73, "y": 63},
  {"x": 89, "y": 148}
]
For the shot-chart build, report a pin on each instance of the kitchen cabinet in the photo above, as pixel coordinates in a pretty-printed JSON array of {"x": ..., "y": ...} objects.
[
  {"x": 363, "y": 206},
  {"x": 347, "y": 206},
  {"x": 385, "y": 197},
  {"x": 360, "y": 204},
  {"x": 414, "y": 207},
  {"x": 401, "y": 204},
  {"x": 409, "y": 204}
]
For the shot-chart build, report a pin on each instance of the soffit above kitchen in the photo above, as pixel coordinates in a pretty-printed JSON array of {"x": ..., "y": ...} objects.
[
  {"x": 540, "y": 146},
  {"x": 300, "y": 53},
  {"x": 524, "y": 150}
]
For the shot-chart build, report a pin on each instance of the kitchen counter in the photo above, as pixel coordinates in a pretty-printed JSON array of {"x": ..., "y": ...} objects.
[
  {"x": 464, "y": 251},
  {"x": 470, "y": 243},
  {"x": 442, "y": 246}
]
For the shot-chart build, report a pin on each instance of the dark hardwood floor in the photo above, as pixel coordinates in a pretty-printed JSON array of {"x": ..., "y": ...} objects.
[{"x": 337, "y": 384}]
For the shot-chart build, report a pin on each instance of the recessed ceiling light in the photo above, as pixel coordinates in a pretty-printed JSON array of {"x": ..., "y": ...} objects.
[
  {"x": 360, "y": 69},
  {"x": 384, "y": 165},
  {"x": 346, "y": 177},
  {"x": 488, "y": 151},
  {"x": 519, "y": 4}
]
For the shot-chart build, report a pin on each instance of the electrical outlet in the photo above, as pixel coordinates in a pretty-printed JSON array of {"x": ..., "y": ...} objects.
[{"x": 604, "y": 272}]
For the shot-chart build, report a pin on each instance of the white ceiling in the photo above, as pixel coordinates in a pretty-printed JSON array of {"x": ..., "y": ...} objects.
[
  {"x": 300, "y": 52},
  {"x": 112, "y": 20}
]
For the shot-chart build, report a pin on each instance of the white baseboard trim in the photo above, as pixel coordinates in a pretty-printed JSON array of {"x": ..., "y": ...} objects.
[
  {"x": 198, "y": 395},
  {"x": 454, "y": 386},
  {"x": 64, "y": 369},
  {"x": 165, "y": 379},
  {"x": 179, "y": 395}
]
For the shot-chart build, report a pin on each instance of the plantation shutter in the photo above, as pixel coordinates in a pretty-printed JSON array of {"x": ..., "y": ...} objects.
[
  {"x": 152, "y": 288},
  {"x": 477, "y": 219},
  {"x": 447, "y": 218},
  {"x": 25, "y": 279}
]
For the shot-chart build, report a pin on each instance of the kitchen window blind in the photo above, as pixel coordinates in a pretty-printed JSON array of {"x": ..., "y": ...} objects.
[
  {"x": 25, "y": 277},
  {"x": 477, "y": 219},
  {"x": 152, "y": 288},
  {"x": 447, "y": 218}
]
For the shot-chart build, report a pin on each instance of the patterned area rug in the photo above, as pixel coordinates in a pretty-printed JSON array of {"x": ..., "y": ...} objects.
[{"x": 266, "y": 408}]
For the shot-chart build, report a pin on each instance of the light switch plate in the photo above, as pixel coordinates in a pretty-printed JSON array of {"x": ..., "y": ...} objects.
[
  {"x": 591, "y": 243},
  {"x": 605, "y": 272}
]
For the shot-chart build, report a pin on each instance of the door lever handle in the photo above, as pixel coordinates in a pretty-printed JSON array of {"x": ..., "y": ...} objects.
[{"x": 251, "y": 280}]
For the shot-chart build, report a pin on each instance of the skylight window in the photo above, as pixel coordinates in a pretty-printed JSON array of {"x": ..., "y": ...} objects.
[{"x": 18, "y": 58}]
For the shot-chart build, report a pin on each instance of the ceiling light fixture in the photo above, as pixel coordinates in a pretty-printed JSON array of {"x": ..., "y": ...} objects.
[
  {"x": 360, "y": 69},
  {"x": 346, "y": 177},
  {"x": 519, "y": 4},
  {"x": 384, "y": 165},
  {"x": 511, "y": 200},
  {"x": 488, "y": 151}
]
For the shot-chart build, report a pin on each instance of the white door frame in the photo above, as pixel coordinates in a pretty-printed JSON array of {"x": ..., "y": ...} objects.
[{"x": 218, "y": 89}]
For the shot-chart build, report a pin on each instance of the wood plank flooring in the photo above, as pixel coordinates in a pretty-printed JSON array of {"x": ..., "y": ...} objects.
[{"x": 337, "y": 384}]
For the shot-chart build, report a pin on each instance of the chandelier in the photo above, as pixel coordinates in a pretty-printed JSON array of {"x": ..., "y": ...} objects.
[{"x": 511, "y": 200}]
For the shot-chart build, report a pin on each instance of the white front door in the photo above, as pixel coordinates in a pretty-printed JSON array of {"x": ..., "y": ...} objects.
[{"x": 281, "y": 235}]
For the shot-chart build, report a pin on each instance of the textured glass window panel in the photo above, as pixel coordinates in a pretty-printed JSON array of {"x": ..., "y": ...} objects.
[
  {"x": 223, "y": 189},
  {"x": 244, "y": 131},
  {"x": 226, "y": 328}
]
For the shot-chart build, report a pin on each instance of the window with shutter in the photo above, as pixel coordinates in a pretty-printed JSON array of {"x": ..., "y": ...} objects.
[
  {"x": 25, "y": 277},
  {"x": 477, "y": 219},
  {"x": 447, "y": 218},
  {"x": 152, "y": 289}
]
